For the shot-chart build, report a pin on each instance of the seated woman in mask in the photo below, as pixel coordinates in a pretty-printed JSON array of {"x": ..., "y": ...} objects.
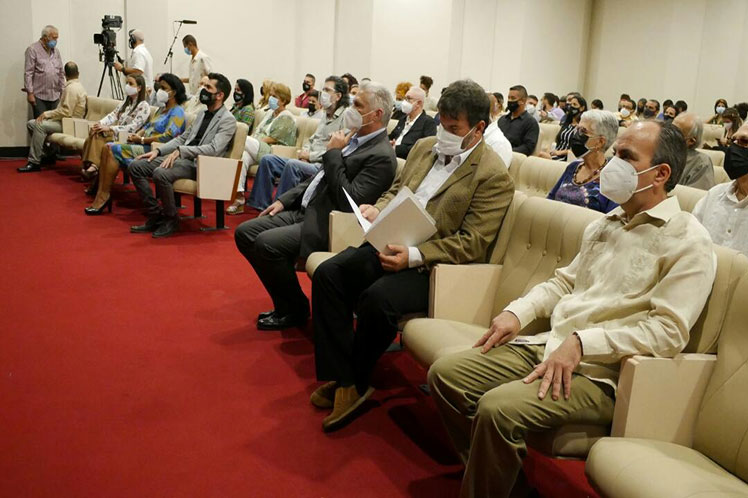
[
  {"x": 278, "y": 126},
  {"x": 129, "y": 116},
  {"x": 244, "y": 98},
  {"x": 720, "y": 106},
  {"x": 575, "y": 107},
  {"x": 167, "y": 123},
  {"x": 580, "y": 182}
]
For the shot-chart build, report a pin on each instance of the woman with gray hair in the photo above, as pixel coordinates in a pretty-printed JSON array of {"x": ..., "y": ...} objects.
[{"x": 580, "y": 182}]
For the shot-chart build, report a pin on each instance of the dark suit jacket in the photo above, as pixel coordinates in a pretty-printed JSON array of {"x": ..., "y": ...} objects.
[
  {"x": 365, "y": 175},
  {"x": 424, "y": 126}
]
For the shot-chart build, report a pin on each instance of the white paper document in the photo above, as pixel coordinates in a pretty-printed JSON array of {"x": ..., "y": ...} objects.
[{"x": 403, "y": 222}]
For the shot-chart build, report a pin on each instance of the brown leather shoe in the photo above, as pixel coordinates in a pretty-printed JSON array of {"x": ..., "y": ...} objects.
[
  {"x": 324, "y": 395},
  {"x": 347, "y": 400}
]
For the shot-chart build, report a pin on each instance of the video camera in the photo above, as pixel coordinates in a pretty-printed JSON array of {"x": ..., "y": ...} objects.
[{"x": 108, "y": 38}]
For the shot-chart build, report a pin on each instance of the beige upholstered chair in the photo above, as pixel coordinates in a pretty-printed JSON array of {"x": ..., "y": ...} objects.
[
  {"x": 537, "y": 176},
  {"x": 717, "y": 156},
  {"x": 217, "y": 178},
  {"x": 75, "y": 130},
  {"x": 712, "y": 133},
  {"x": 720, "y": 175},
  {"x": 547, "y": 136},
  {"x": 691, "y": 440},
  {"x": 688, "y": 197},
  {"x": 391, "y": 125}
]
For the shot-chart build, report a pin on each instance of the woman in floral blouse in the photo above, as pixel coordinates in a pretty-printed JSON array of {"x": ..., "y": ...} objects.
[
  {"x": 129, "y": 116},
  {"x": 244, "y": 108},
  {"x": 167, "y": 123},
  {"x": 278, "y": 126}
]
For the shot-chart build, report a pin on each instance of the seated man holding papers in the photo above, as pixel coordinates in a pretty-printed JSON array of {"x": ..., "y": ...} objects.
[
  {"x": 463, "y": 189},
  {"x": 361, "y": 163}
]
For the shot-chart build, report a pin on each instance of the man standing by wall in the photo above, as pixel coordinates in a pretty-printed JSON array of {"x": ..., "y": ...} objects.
[
  {"x": 141, "y": 61},
  {"x": 200, "y": 64},
  {"x": 43, "y": 75}
]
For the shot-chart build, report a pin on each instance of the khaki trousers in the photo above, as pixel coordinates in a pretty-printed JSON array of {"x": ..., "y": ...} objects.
[
  {"x": 94, "y": 146},
  {"x": 488, "y": 411}
]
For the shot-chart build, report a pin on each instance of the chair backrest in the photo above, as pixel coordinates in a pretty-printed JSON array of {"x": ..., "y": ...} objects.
[
  {"x": 296, "y": 111},
  {"x": 431, "y": 113},
  {"x": 400, "y": 165},
  {"x": 537, "y": 176},
  {"x": 259, "y": 115},
  {"x": 717, "y": 156},
  {"x": 189, "y": 118},
  {"x": 720, "y": 175},
  {"x": 722, "y": 423},
  {"x": 517, "y": 158},
  {"x": 236, "y": 147},
  {"x": 305, "y": 128},
  {"x": 711, "y": 133},
  {"x": 97, "y": 107},
  {"x": 688, "y": 197},
  {"x": 547, "y": 136},
  {"x": 391, "y": 125},
  {"x": 544, "y": 235}
]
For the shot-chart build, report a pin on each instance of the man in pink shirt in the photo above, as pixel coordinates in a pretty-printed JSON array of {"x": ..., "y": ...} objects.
[
  {"x": 302, "y": 100},
  {"x": 44, "y": 77}
]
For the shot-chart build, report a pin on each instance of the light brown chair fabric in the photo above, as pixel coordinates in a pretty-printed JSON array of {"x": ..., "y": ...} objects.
[
  {"x": 546, "y": 137},
  {"x": 537, "y": 176},
  {"x": 96, "y": 108},
  {"x": 711, "y": 134},
  {"x": 717, "y": 156},
  {"x": 305, "y": 128},
  {"x": 687, "y": 196}
]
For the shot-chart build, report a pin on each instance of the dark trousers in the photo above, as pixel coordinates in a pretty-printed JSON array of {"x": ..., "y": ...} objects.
[
  {"x": 271, "y": 244},
  {"x": 354, "y": 281},
  {"x": 140, "y": 171},
  {"x": 43, "y": 105}
]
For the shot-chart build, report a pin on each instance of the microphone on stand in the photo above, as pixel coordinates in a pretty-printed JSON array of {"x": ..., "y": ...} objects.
[{"x": 187, "y": 21}]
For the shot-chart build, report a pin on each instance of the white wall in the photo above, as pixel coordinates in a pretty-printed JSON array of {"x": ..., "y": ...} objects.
[{"x": 690, "y": 49}]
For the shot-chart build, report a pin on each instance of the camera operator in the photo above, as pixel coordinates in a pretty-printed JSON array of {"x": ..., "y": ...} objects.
[
  {"x": 141, "y": 61},
  {"x": 44, "y": 77}
]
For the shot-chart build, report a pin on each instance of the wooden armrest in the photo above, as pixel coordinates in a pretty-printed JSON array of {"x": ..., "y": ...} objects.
[
  {"x": 217, "y": 177},
  {"x": 464, "y": 293},
  {"x": 287, "y": 151},
  {"x": 659, "y": 398},
  {"x": 345, "y": 231}
]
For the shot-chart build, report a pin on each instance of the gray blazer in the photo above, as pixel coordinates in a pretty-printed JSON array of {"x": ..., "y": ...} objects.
[{"x": 215, "y": 141}]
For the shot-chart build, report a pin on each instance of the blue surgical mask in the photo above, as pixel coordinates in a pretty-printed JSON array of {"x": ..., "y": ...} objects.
[
  {"x": 187, "y": 51},
  {"x": 273, "y": 103},
  {"x": 52, "y": 44}
]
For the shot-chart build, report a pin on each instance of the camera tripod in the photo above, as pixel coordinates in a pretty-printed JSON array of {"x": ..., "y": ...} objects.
[{"x": 115, "y": 84}]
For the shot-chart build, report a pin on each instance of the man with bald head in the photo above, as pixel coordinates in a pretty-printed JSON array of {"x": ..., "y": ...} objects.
[
  {"x": 414, "y": 125},
  {"x": 637, "y": 286},
  {"x": 141, "y": 61},
  {"x": 699, "y": 172}
]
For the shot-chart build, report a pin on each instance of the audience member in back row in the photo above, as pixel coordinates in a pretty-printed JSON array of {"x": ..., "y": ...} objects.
[
  {"x": 720, "y": 106},
  {"x": 265, "y": 94},
  {"x": 532, "y": 107},
  {"x": 72, "y": 105},
  {"x": 580, "y": 182},
  {"x": 302, "y": 101},
  {"x": 294, "y": 171},
  {"x": 168, "y": 122},
  {"x": 575, "y": 107},
  {"x": 518, "y": 127},
  {"x": 413, "y": 125},
  {"x": 278, "y": 126},
  {"x": 651, "y": 109},
  {"x": 361, "y": 162},
  {"x": 314, "y": 109},
  {"x": 549, "y": 111},
  {"x": 627, "y": 113},
  {"x": 632, "y": 289},
  {"x": 244, "y": 109},
  {"x": 429, "y": 103},
  {"x": 400, "y": 90},
  {"x": 209, "y": 135},
  {"x": 129, "y": 117},
  {"x": 723, "y": 211},
  {"x": 462, "y": 184},
  {"x": 731, "y": 122},
  {"x": 698, "y": 172}
]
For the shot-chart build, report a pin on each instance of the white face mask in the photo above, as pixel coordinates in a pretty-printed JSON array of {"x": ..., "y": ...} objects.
[
  {"x": 720, "y": 109},
  {"x": 353, "y": 120},
  {"x": 325, "y": 100},
  {"x": 406, "y": 107},
  {"x": 162, "y": 96},
  {"x": 618, "y": 180},
  {"x": 625, "y": 112},
  {"x": 448, "y": 143},
  {"x": 130, "y": 90},
  {"x": 530, "y": 109},
  {"x": 727, "y": 125}
]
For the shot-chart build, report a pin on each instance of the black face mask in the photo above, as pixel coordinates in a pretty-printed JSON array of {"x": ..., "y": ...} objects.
[
  {"x": 648, "y": 113},
  {"x": 667, "y": 118},
  {"x": 312, "y": 108},
  {"x": 306, "y": 86},
  {"x": 640, "y": 109},
  {"x": 238, "y": 97},
  {"x": 206, "y": 97},
  {"x": 578, "y": 143},
  {"x": 736, "y": 161},
  {"x": 512, "y": 105}
]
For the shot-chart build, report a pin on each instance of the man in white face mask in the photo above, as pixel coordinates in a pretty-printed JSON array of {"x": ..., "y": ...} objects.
[
  {"x": 414, "y": 125},
  {"x": 637, "y": 286},
  {"x": 464, "y": 186}
]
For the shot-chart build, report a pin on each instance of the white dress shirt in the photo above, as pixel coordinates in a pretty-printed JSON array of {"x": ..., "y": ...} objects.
[
  {"x": 349, "y": 149},
  {"x": 200, "y": 66},
  {"x": 498, "y": 142},
  {"x": 724, "y": 216},
  {"x": 141, "y": 59},
  {"x": 435, "y": 178},
  {"x": 408, "y": 125}
]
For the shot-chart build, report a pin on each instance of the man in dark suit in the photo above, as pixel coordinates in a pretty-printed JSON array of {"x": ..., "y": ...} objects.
[
  {"x": 209, "y": 135},
  {"x": 414, "y": 125},
  {"x": 361, "y": 162}
]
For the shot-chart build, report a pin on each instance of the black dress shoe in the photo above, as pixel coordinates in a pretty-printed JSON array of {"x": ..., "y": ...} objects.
[
  {"x": 275, "y": 322},
  {"x": 265, "y": 314},
  {"x": 150, "y": 225},
  {"x": 167, "y": 228},
  {"x": 29, "y": 168}
]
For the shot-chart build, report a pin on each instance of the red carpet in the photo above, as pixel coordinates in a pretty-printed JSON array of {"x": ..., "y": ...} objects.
[{"x": 131, "y": 367}]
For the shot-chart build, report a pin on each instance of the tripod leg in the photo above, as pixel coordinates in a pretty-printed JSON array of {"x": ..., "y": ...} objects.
[{"x": 101, "y": 81}]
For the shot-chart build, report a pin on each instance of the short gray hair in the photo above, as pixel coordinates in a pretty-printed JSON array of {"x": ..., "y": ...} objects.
[
  {"x": 697, "y": 128},
  {"x": 48, "y": 30},
  {"x": 419, "y": 93},
  {"x": 378, "y": 97},
  {"x": 138, "y": 34},
  {"x": 604, "y": 123}
]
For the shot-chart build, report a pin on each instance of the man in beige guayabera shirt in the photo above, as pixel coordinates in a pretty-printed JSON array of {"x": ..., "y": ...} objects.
[{"x": 638, "y": 284}]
